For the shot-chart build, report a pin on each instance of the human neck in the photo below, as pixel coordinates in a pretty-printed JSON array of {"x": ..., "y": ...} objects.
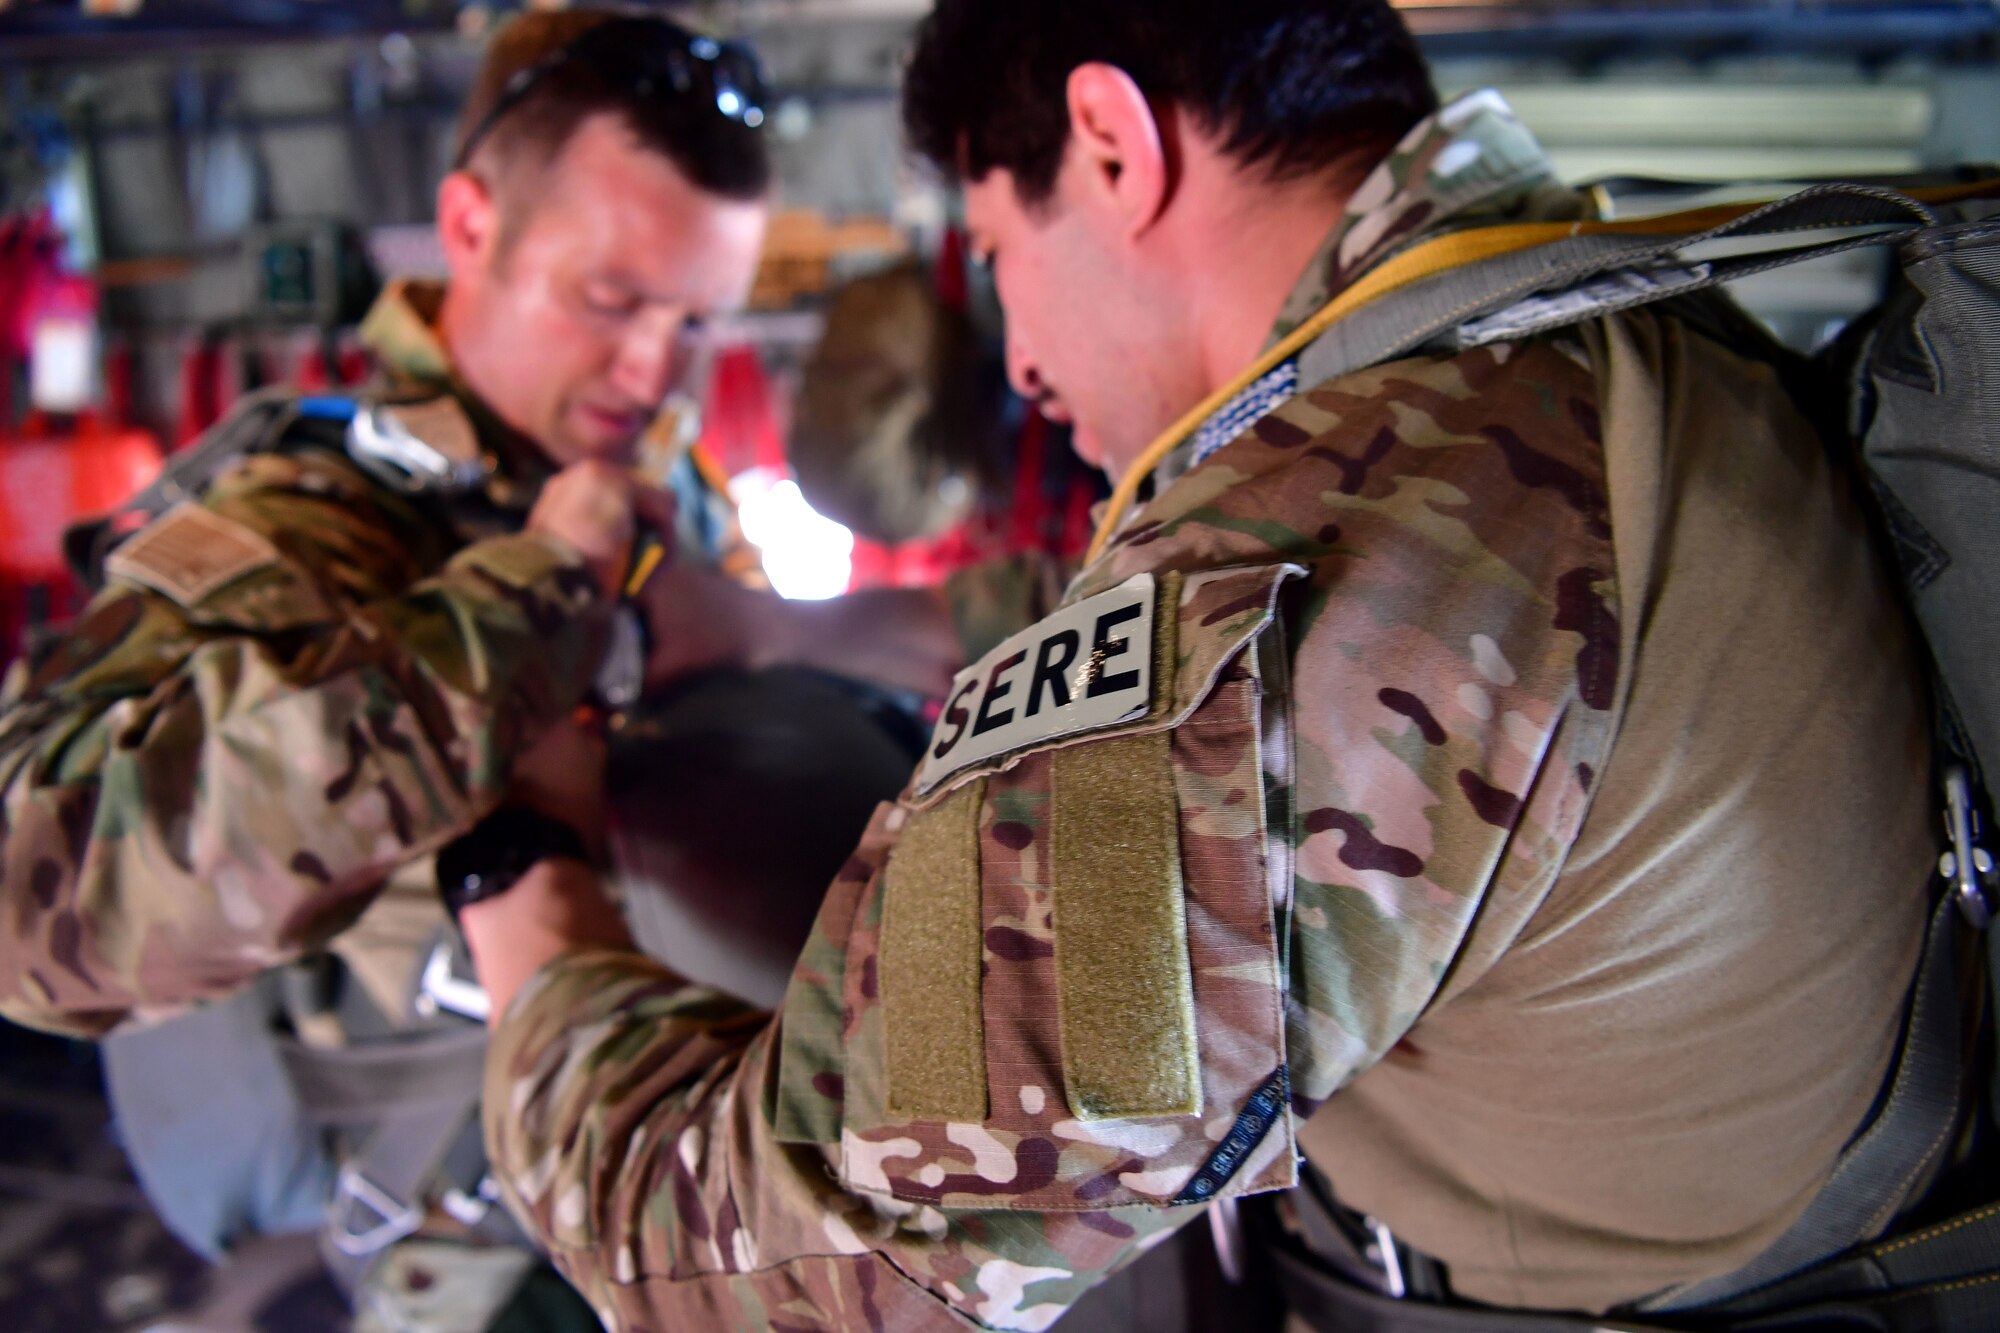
[
  {"x": 457, "y": 326},
  {"x": 1243, "y": 251},
  {"x": 453, "y": 327}
]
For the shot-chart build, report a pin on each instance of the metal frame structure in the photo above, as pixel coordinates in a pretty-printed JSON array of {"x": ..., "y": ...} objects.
[{"x": 1585, "y": 29}]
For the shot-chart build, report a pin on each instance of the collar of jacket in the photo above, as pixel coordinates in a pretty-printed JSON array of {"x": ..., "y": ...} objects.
[
  {"x": 1471, "y": 163},
  {"x": 400, "y": 332}
]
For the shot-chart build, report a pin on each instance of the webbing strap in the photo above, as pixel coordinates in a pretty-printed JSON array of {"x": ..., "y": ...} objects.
[
  {"x": 1644, "y": 267},
  {"x": 1963, "y": 1247},
  {"x": 1869, "y": 1292},
  {"x": 1945, "y": 1276},
  {"x": 1442, "y": 258},
  {"x": 418, "y": 1098},
  {"x": 1898, "y": 1151},
  {"x": 1993, "y": 1014},
  {"x": 361, "y": 1084},
  {"x": 1333, "y": 1288},
  {"x": 382, "y": 1194},
  {"x": 1329, "y": 1304}
]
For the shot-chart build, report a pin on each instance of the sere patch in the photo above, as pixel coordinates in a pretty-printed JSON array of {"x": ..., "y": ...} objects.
[{"x": 1087, "y": 667}]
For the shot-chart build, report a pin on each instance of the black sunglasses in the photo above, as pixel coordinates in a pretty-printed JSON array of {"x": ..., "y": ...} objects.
[{"x": 651, "y": 57}]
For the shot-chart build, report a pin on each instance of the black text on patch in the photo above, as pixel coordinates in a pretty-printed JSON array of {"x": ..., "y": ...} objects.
[{"x": 1087, "y": 666}]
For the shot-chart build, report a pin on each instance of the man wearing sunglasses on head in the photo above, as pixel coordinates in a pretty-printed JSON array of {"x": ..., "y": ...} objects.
[
  {"x": 322, "y": 644},
  {"x": 322, "y": 662}
]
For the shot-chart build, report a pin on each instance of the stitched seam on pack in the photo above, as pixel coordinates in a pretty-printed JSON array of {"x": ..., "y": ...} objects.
[
  {"x": 1943, "y": 1229},
  {"x": 1963, "y": 1284}
]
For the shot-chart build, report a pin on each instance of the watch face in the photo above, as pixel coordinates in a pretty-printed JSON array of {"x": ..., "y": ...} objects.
[{"x": 487, "y": 860}]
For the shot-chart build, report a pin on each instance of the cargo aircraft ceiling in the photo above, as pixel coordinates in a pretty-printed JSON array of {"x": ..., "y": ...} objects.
[{"x": 1866, "y": 28}]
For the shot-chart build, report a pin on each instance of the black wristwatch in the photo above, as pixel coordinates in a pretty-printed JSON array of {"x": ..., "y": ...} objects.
[{"x": 487, "y": 860}]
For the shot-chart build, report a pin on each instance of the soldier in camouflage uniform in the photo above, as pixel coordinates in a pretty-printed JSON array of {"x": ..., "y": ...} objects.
[
  {"x": 1496, "y": 777},
  {"x": 312, "y": 671},
  {"x": 317, "y": 664},
  {"x": 301, "y": 679}
]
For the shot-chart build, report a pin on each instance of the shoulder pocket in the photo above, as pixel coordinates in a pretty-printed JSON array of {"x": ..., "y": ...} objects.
[
  {"x": 1139, "y": 657},
  {"x": 1074, "y": 999},
  {"x": 219, "y": 572}
]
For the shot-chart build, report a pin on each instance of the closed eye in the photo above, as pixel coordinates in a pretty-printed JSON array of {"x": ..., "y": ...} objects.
[{"x": 610, "y": 302}]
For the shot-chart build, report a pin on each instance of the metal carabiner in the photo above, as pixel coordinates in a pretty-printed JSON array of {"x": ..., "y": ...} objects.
[
  {"x": 1967, "y": 863},
  {"x": 441, "y": 988},
  {"x": 382, "y": 444},
  {"x": 395, "y": 1219}
]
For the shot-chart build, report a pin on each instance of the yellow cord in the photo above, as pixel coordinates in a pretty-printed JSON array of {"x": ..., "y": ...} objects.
[
  {"x": 1410, "y": 266},
  {"x": 712, "y": 473},
  {"x": 1414, "y": 265},
  {"x": 649, "y": 558},
  {"x": 652, "y": 549}
]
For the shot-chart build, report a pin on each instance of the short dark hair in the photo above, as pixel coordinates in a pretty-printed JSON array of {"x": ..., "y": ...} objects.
[
  {"x": 718, "y": 154},
  {"x": 1294, "y": 86}
]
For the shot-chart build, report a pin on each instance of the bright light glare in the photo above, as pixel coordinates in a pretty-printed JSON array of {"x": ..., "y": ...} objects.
[
  {"x": 807, "y": 557},
  {"x": 729, "y": 101}
]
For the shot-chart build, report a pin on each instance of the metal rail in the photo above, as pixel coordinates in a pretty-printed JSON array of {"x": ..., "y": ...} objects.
[{"x": 59, "y": 30}]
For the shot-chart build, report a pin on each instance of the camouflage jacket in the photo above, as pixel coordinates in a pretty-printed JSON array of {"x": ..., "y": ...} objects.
[
  {"x": 1183, "y": 859},
  {"x": 287, "y": 688}
]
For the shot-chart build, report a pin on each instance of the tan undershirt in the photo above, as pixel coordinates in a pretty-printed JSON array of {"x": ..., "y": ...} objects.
[{"x": 1643, "y": 1078}]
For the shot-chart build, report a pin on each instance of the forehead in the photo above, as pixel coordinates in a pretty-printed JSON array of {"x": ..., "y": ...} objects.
[{"x": 610, "y": 203}]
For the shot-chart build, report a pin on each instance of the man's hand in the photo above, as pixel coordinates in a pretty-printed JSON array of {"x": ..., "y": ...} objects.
[
  {"x": 560, "y": 905},
  {"x": 596, "y": 508}
]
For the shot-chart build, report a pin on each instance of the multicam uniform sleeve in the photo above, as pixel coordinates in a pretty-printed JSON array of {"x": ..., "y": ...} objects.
[
  {"x": 994, "y": 598},
  {"x": 1064, "y": 997},
  {"x": 283, "y": 692},
  {"x": 650, "y": 1134}
]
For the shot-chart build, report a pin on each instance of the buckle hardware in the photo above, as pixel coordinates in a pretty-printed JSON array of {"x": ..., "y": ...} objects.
[
  {"x": 354, "y": 1191},
  {"x": 387, "y": 448},
  {"x": 1967, "y": 864},
  {"x": 441, "y": 988},
  {"x": 1383, "y": 1252},
  {"x": 468, "y": 1209}
]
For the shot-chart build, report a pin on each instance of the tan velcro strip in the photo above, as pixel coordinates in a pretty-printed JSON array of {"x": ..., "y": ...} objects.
[
  {"x": 1167, "y": 641},
  {"x": 930, "y": 962},
  {"x": 189, "y": 552},
  {"x": 1127, "y": 998}
]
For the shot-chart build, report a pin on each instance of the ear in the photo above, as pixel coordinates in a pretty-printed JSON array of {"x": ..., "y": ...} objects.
[
  {"x": 468, "y": 223},
  {"x": 1120, "y": 145}
]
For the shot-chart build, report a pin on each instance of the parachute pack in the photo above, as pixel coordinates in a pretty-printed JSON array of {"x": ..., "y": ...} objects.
[{"x": 1906, "y": 1233}]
